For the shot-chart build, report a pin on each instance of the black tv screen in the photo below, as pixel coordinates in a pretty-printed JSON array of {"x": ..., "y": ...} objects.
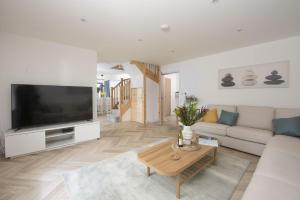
[{"x": 37, "y": 105}]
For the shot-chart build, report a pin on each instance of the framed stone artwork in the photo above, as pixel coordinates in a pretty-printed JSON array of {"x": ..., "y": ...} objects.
[{"x": 269, "y": 75}]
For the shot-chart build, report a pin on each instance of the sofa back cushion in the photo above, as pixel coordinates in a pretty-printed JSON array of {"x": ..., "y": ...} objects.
[
  {"x": 219, "y": 108},
  {"x": 286, "y": 112},
  {"x": 255, "y": 117}
]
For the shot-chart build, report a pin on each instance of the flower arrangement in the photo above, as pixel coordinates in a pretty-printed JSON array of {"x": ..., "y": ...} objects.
[{"x": 189, "y": 113}]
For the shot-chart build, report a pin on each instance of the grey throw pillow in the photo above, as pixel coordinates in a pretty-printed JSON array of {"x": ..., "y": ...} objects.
[
  {"x": 287, "y": 126},
  {"x": 228, "y": 118}
]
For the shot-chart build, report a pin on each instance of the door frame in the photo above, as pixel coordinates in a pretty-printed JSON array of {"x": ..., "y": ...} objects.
[{"x": 161, "y": 100}]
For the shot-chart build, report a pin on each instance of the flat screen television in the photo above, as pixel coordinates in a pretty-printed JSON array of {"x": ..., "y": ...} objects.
[{"x": 38, "y": 105}]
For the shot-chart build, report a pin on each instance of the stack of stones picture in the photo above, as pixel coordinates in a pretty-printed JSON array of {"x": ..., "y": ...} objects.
[
  {"x": 227, "y": 81},
  {"x": 274, "y": 78},
  {"x": 249, "y": 79},
  {"x": 268, "y": 75}
]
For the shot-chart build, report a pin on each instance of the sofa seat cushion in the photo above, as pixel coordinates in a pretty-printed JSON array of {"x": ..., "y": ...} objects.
[
  {"x": 281, "y": 160},
  {"x": 280, "y": 165},
  {"x": 250, "y": 134},
  {"x": 287, "y": 144},
  {"x": 218, "y": 129},
  {"x": 255, "y": 117},
  {"x": 277, "y": 174},
  {"x": 267, "y": 188}
]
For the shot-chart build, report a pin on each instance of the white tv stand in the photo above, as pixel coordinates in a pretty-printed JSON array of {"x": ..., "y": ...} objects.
[{"x": 30, "y": 140}]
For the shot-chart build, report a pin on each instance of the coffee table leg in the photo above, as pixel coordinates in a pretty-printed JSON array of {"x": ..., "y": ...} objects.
[
  {"x": 215, "y": 155},
  {"x": 178, "y": 186},
  {"x": 148, "y": 171}
]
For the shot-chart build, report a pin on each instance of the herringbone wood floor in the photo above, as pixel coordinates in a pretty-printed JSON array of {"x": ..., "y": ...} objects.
[{"x": 39, "y": 176}]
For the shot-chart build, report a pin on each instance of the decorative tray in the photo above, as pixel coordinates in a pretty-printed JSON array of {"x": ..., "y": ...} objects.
[{"x": 191, "y": 147}]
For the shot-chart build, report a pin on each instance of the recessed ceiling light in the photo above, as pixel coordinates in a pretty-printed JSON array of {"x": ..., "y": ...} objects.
[
  {"x": 83, "y": 20},
  {"x": 165, "y": 27}
]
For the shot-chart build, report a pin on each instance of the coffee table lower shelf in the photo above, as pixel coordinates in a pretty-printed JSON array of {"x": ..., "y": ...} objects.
[
  {"x": 197, "y": 167},
  {"x": 189, "y": 164},
  {"x": 190, "y": 172}
]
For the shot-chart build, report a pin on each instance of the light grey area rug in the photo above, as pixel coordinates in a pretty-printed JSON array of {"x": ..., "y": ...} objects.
[{"x": 124, "y": 177}]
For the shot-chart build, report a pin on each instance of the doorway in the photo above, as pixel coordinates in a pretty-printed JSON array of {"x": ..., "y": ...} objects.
[{"x": 170, "y": 95}]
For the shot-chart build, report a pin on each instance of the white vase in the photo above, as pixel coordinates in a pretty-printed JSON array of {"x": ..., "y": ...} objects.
[{"x": 187, "y": 134}]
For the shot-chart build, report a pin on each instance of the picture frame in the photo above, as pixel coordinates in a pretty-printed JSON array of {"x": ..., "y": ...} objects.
[{"x": 268, "y": 75}]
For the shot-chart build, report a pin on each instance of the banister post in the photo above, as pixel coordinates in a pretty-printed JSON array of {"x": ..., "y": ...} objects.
[
  {"x": 111, "y": 97},
  {"x": 129, "y": 89},
  {"x": 121, "y": 91}
]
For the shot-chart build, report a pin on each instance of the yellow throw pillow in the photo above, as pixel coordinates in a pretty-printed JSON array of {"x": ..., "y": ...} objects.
[{"x": 211, "y": 116}]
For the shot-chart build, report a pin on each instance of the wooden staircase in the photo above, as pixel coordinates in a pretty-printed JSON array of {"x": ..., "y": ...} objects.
[
  {"x": 121, "y": 96},
  {"x": 151, "y": 71}
]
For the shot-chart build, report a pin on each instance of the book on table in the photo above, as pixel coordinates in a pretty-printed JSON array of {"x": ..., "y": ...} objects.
[{"x": 206, "y": 140}]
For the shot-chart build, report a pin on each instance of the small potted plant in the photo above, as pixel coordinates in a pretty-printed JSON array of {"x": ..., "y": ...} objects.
[{"x": 189, "y": 114}]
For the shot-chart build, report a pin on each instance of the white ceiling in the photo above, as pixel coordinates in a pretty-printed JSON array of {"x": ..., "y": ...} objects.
[
  {"x": 106, "y": 68},
  {"x": 113, "y": 27}
]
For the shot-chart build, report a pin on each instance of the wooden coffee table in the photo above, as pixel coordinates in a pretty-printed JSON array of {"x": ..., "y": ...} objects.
[{"x": 190, "y": 163}]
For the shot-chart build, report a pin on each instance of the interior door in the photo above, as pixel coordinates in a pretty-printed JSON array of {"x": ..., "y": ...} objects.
[{"x": 167, "y": 97}]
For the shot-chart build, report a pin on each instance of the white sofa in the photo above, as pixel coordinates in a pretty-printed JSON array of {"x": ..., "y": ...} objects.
[
  {"x": 277, "y": 176},
  {"x": 252, "y": 131}
]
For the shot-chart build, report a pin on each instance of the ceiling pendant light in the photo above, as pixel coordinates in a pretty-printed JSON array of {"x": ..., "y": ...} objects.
[{"x": 165, "y": 27}]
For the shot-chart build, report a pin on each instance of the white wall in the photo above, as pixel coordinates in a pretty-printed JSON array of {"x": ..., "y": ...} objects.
[
  {"x": 200, "y": 76},
  {"x": 114, "y": 79},
  {"x": 152, "y": 97},
  {"x": 137, "y": 78},
  {"x": 130, "y": 71},
  {"x": 113, "y": 75},
  {"x": 32, "y": 61},
  {"x": 174, "y": 88}
]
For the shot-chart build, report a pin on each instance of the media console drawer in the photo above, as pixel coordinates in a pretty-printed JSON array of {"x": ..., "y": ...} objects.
[
  {"x": 87, "y": 132},
  {"x": 24, "y": 143}
]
